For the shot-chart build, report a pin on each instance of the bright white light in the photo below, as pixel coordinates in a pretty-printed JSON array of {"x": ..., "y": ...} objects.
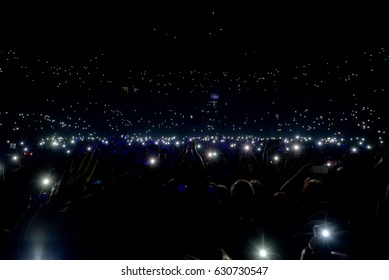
[
  {"x": 46, "y": 181},
  {"x": 198, "y": 146},
  {"x": 319, "y": 143},
  {"x": 354, "y": 150},
  {"x": 89, "y": 148},
  {"x": 212, "y": 154},
  {"x": 262, "y": 253},
  {"x": 296, "y": 147},
  {"x": 276, "y": 158},
  {"x": 153, "y": 161},
  {"x": 247, "y": 148},
  {"x": 15, "y": 158},
  {"x": 328, "y": 164},
  {"x": 325, "y": 233}
]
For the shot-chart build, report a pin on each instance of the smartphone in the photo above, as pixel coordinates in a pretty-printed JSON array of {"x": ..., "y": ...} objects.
[{"x": 319, "y": 169}]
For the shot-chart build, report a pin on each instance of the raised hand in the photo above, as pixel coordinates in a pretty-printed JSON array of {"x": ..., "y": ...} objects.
[{"x": 75, "y": 183}]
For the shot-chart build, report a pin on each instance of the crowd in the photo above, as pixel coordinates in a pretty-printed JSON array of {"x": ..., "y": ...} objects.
[{"x": 181, "y": 202}]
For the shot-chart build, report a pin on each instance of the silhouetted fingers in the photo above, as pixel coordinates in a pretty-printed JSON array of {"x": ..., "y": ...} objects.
[{"x": 92, "y": 168}]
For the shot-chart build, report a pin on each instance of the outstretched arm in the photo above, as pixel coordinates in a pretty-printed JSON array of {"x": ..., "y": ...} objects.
[
  {"x": 75, "y": 183},
  {"x": 199, "y": 162},
  {"x": 296, "y": 180}
]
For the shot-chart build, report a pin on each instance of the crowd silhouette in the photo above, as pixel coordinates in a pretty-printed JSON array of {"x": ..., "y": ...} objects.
[{"x": 179, "y": 202}]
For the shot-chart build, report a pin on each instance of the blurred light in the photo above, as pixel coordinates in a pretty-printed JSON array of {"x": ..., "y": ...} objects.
[
  {"x": 212, "y": 154},
  {"x": 89, "y": 148},
  {"x": 152, "y": 161},
  {"x": 296, "y": 147},
  {"x": 276, "y": 158},
  {"x": 354, "y": 150},
  {"x": 15, "y": 158},
  {"x": 45, "y": 181},
  {"x": 325, "y": 233},
  {"x": 247, "y": 148},
  {"x": 263, "y": 253}
]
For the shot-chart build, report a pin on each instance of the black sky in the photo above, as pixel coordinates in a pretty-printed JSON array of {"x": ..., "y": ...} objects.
[{"x": 192, "y": 34}]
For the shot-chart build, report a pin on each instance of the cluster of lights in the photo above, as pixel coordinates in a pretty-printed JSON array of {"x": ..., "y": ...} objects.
[
  {"x": 248, "y": 143},
  {"x": 164, "y": 119},
  {"x": 170, "y": 117}
]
